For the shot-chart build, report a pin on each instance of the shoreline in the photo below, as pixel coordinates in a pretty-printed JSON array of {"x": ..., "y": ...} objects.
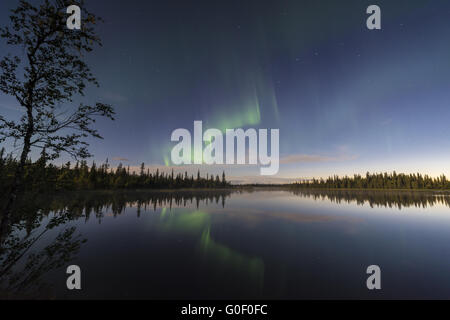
[{"x": 253, "y": 187}]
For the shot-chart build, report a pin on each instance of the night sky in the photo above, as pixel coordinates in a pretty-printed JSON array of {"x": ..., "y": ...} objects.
[{"x": 346, "y": 99}]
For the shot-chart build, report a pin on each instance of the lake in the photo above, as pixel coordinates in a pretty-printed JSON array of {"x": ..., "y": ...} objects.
[{"x": 229, "y": 244}]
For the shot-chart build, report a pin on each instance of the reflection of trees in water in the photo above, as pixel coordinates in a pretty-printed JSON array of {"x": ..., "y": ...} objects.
[
  {"x": 38, "y": 238},
  {"x": 379, "y": 198},
  {"x": 26, "y": 252},
  {"x": 84, "y": 204},
  {"x": 22, "y": 265}
]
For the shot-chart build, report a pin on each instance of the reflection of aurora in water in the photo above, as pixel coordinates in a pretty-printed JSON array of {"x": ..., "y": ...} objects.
[
  {"x": 220, "y": 258},
  {"x": 267, "y": 244}
]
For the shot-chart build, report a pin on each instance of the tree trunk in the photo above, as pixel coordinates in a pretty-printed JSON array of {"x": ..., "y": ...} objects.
[{"x": 17, "y": 185}]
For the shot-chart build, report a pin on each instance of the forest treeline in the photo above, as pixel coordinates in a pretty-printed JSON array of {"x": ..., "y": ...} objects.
[
  {"x": 379, "y": 181},
  {"x": 42, "y": 176}
]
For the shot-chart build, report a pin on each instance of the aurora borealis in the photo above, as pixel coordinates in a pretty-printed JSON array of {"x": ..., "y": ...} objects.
[{"x": 346, "y": 99}]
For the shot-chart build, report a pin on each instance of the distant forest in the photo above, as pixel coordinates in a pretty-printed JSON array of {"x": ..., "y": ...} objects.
[
  {"x": 41, "y": 176},
  {"x": 378, "y": 181}
]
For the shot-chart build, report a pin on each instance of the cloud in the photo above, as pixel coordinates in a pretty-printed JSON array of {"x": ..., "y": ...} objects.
[
  {"x": 307, "y": 158},
  {"x": 120, "y": 159}
]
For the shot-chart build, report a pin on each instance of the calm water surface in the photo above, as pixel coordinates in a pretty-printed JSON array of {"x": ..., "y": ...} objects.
[{"x": 271, "y": 244}]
